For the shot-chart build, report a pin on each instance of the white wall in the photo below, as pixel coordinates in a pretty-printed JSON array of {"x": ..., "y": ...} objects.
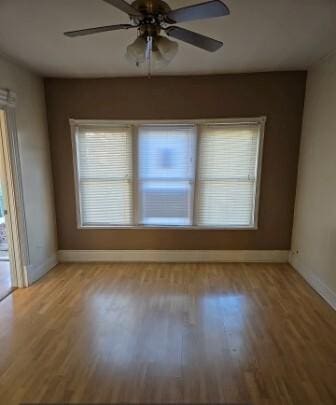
[
  {"x": 314, "y": 233},
  {"x": 35, "y": 165}
]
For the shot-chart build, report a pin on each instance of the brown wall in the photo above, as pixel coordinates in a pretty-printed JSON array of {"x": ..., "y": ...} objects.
[{"x": 279, "y": 96}]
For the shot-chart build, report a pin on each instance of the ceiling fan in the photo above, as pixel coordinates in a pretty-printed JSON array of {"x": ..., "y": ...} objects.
[{"x": 151, "y": 17}]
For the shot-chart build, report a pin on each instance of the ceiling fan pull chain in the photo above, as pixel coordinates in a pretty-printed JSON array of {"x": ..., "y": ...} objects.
[{"x": 149, "y": 51}]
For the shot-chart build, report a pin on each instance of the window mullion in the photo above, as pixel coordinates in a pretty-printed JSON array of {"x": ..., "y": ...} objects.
[
  {"x": 77, "y": 175},
  {"x": 135, "y": 179},
  {"x": 196, "y": 188}
]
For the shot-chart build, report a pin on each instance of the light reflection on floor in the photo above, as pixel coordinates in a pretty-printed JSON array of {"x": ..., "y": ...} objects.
[{"x": 166, "y": 329}]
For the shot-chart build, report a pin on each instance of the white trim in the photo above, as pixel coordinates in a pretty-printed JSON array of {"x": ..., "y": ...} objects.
[
  {"x": 182, "y": 227},
  {"x": 135, "y": 175},
  {"x": 134, "y": 126},
  {"x": 5, "y": 180},
  {"x": 188, "y": 256},
  {"x": 38, "y": 271},
  {"x": 228, "y": 121},
  {"x": 76, "y": 173},
  {"x": 196, "y": 194},
  {"x": 315, "y": 282},
  {"x": 260, "y": 156},
  {"x": 12, "y": 163}
]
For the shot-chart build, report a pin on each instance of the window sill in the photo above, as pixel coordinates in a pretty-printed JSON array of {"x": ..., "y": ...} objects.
[{"x": 157, "y": 227}]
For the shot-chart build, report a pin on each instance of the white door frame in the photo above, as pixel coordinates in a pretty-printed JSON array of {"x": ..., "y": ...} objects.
[{"x": 16, "y": 228}]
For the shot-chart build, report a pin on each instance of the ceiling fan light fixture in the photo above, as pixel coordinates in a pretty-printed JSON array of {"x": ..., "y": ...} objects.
[
  {"x": 136, "y": 52},
  {"x": 166, "y": 47},
  {"x": 162, "y": 51},
  {"x": 158, "y": 61}
]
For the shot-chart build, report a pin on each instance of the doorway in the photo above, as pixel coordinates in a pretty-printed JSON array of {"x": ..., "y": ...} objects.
[{"x": 13, "y": 236}]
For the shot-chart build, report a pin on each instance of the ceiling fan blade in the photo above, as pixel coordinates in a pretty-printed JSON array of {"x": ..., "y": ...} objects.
[
  {"x": 210, "y": 9},
  {"x": 125, "y": 7},
  {"x": 97, "y": 30},
  {"x": 192, "y": 38}
]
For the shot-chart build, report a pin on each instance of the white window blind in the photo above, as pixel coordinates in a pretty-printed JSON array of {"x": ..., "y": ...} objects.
[
  {"x": 203, "y": 175},
  {"x": 227, "y": 175},
  {"x": 104, "y": 166},
  {"x": 166, "y": 174}
]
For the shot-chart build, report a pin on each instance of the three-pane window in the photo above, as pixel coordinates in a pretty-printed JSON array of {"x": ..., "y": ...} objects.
[{"x": 169, "y": 175}]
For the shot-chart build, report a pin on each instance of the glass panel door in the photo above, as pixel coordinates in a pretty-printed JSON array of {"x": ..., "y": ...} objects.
[{"x": 5, "y": 271}]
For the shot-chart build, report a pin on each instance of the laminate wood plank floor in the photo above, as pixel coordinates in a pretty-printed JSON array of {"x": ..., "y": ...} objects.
[{"x": 168, "y": 333}]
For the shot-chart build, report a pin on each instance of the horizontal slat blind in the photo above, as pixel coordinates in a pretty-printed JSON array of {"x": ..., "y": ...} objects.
[
  {"x": 166, "y": 174},
  {"x": 227, "y": 172},
  {"x": 104, "y": 164}
]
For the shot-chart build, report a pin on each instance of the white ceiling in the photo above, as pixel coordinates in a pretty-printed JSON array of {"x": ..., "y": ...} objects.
[{"x": 259, "y": 35}]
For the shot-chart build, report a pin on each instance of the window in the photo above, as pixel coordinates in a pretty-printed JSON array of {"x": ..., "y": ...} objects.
[
  {"x": 104, "y": 157},
  {"x": 202, "y": 175},
  {"x": 166, "y": 174},
  {"x": 228, "y": 163}
]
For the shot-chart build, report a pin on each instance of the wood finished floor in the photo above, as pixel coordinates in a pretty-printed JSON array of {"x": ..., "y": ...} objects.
[{"x": 150, "y": 333}]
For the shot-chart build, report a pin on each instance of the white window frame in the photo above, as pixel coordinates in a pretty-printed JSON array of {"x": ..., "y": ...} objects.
[
  {"x": 135, "y": 124},
  {"x": 192, "y": 182}
]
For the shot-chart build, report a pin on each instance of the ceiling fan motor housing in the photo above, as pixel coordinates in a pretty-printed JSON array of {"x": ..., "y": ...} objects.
[
  {"x": 151, "y": 7},
  {"x": 154, "y": 14}
]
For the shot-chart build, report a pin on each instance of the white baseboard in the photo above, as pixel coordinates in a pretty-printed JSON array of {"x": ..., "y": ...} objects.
[
  {"x": 35, "y": 272},
  {"x": 266, "y": 256},
  {"x": 315, "y": 282}
]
